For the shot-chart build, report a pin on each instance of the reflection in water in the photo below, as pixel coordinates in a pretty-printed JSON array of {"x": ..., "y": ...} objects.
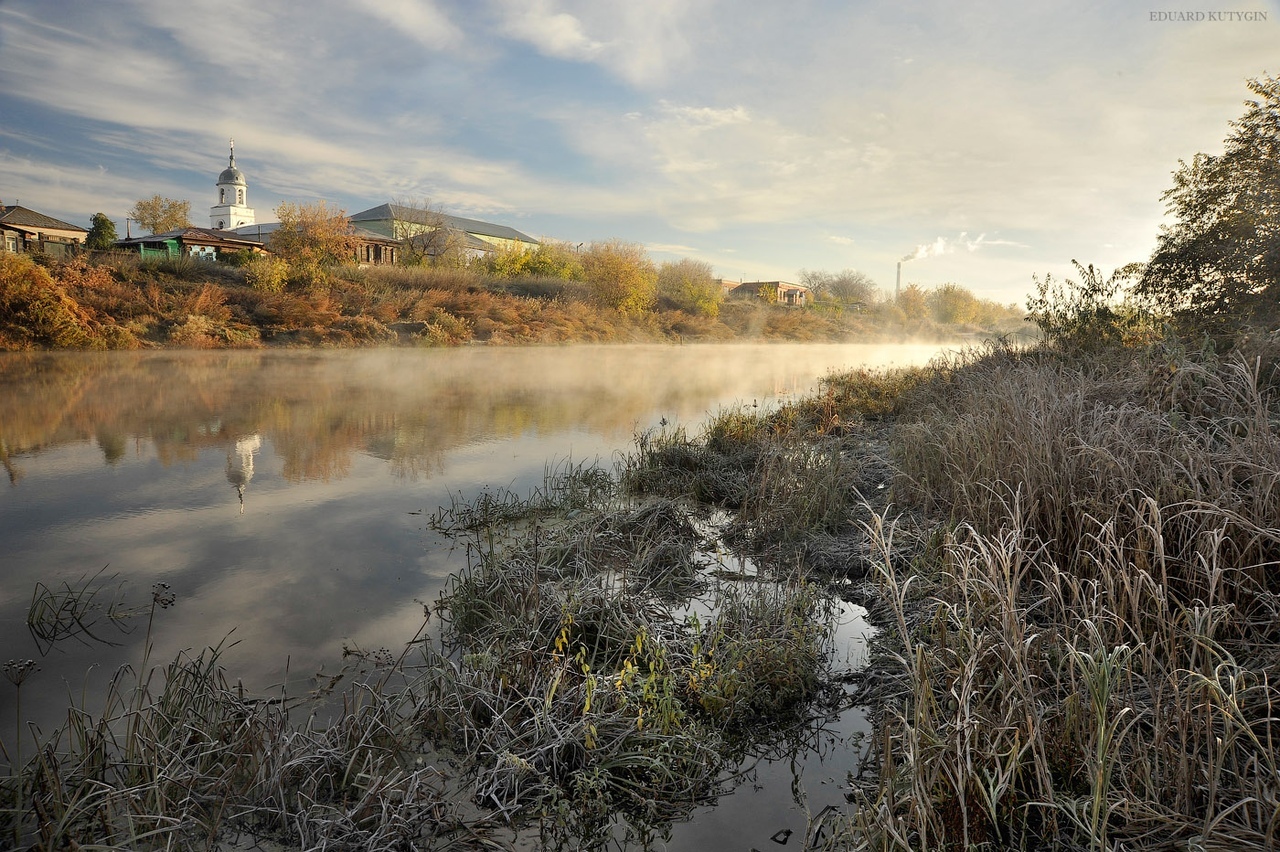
[
  {"x": 240, "y": 464},
  {"x": 123, "y": 460},
  {"x": 408, "y": 407}
]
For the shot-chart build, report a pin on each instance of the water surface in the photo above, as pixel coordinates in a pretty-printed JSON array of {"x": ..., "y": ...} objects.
[{"x": 283, "y": 496}]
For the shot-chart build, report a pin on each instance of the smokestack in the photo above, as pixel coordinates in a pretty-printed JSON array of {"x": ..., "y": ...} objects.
[{"x": 897, "y": 288}]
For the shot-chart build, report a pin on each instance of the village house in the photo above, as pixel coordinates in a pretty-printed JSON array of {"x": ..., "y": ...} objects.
[
  {"x": 783, "y": 292},
  {"x": 201, "y": 243},
  {"x": 25, "y": 230}
]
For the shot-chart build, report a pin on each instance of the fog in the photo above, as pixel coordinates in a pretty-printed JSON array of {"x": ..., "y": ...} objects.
[{"x": 283, "y": 495}]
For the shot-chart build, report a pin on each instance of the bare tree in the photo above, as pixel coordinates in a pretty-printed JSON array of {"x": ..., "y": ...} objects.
[
  {"x": 849, "y": 286},
  {"x": 424, "y": 233}
]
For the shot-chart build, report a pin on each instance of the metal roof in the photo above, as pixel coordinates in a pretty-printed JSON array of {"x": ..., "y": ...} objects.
[
  {"x": 195, "y": 235},
  {"x": 27, "y": 218},
  {"x": 394, "y": 212}
]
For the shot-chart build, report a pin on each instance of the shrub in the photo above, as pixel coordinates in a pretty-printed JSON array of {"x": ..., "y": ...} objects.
[
  {"x": 267, "y": 274},
  {"x": 37, "y": 312},
  {"x": 621, "y": 276},
  {"x": 690, "y": 285},
  {"x": 1092, "y": 312}
]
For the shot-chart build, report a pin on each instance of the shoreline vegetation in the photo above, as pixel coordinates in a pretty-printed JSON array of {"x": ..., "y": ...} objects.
[
  {"x": 1069, "y": 555},
  {"x": 113, "y": 300}
]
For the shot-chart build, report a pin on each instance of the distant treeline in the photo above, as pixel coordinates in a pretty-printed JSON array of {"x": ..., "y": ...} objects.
[{"x": 610, "y": 292}]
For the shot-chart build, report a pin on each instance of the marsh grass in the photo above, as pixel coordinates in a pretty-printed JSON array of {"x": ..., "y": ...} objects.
[
  {"x": 1086, "y": 656},
  {"x": 578, "y": 684},
  {"x": 568, "y": 686},
  {"x": 76, "y": 610}
]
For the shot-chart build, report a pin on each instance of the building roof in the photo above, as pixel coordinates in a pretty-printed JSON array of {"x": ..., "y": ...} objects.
[
  {"x": 262, "y": 231},
  {"x": 398, "y": 212},
  {"x": 202, "y": 236},
  {"x": 23, "y": 217}
]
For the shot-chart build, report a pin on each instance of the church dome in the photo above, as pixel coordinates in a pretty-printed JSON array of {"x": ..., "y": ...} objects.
[{"x": 231, "y": 174}]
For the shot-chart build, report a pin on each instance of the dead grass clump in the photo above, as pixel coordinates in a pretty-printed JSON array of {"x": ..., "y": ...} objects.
[
  {"x": 574, "y": 691},
  {"x": 1043, "y": 706},
  {"x": 178, "y": 757}
]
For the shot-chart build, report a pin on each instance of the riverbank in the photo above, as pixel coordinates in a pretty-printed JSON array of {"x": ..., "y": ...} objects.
[
  {"x": 1070, "y": 560},
  {"x": 120, "y": 302}
]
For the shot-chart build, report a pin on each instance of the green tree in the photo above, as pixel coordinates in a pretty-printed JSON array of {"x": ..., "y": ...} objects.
[
  {"x": 158, "y": 214},
  {"x": 1091, "y": 313},
  {"x": 102, "y": 233},
  {"x": 621, "y": 276},
  {"x": 690, "y": 285},
  {"x": 1218, "y": 263}
]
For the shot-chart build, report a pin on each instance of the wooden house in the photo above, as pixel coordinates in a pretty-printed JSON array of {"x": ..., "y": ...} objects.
[{"x": 25, "y": 230}]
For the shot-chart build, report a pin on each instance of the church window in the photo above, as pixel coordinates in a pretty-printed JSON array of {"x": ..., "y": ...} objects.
[
  {"x": 239, "y": 196},
  {"x": 222, "y": 196}
]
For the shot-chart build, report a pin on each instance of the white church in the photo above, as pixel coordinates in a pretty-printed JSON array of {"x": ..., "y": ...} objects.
[{"x": 232, "y": 210}]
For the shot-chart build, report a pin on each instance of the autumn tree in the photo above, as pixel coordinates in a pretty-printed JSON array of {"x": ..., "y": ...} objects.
[
  {"x": 311, "y": 238},
  {"x": 159, "y": 214},
  {"x": 1218, "y": 263},
  {"x": 510, "y": 261},
  {"x": 912, "y": 300},
  {"x": 690, "y": 285},
  {"x": 555, "y": 259},
  {"x": 620, "y": 276},
  {"x": 102, "y": 233},
  {"x": 952, "y": 304}
]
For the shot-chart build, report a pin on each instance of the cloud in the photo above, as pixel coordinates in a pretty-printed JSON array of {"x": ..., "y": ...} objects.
[
  {"x": 644, "y": 45},
  {"x": 671, "y": 248},
  {"x": 556, "y": 34},
  {"x": 420, "y": 20}
]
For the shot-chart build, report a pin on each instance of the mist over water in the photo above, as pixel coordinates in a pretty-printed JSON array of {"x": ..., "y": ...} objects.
[{"x": 284, "y": 496}]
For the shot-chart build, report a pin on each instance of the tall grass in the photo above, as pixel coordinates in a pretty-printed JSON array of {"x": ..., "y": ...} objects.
[{"x": 1087, "y": 657}]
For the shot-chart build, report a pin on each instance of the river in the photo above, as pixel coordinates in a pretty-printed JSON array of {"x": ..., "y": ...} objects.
[{"x": 283, "y": 496}]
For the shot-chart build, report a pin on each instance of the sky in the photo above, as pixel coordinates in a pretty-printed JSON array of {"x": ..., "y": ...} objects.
[{"x": 991, "y": 142}]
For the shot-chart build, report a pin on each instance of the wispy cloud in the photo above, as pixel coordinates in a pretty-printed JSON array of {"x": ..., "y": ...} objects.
[
  {"x": 554, "y": 33},
  {"x": 420, "y": 20}
]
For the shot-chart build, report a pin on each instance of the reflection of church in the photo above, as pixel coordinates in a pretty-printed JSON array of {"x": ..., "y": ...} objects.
[{"x": 240, "y": 464}]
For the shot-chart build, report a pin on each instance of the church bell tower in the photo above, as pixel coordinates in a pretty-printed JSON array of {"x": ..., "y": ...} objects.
[{"x": 232, "y": 209}]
